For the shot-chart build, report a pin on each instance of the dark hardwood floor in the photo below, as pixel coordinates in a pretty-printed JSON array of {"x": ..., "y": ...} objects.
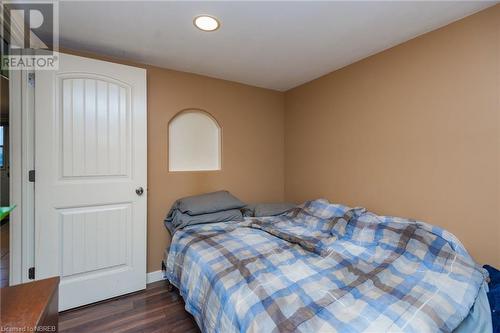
[{"x": 152, "y": 310}]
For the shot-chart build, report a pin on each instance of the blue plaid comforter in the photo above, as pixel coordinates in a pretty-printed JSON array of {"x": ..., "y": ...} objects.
[{"x": 323, "y": 268}]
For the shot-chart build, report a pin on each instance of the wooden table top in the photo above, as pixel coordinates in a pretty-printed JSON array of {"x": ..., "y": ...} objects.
[{"x": 22, "y": 305}]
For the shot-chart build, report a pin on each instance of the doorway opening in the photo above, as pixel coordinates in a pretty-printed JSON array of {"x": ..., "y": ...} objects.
[{"x": 4, "y": 178}]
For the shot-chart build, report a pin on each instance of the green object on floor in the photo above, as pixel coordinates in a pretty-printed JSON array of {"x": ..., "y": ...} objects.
[{"x": 4, "y": 211}]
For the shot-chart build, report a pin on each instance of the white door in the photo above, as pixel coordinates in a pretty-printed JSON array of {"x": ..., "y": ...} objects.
[{"x": 90, "y": 158}]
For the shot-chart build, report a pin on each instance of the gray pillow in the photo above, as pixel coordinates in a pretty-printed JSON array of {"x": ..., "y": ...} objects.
[
  {"x": 267, "y": 209},
  {"x": 178, "y": 220},
  {"x": 208, "y": 203}
]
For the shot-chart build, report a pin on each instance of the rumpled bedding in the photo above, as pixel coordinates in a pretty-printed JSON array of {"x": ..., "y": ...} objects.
[{"x": 323, "y": 268}]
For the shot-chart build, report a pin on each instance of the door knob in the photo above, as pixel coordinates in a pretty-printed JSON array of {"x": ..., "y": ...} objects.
[{"x": 139, "y": 191}]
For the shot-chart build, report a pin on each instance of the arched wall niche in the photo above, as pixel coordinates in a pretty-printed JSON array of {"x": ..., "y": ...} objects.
[{"x": 194, "y": 142}]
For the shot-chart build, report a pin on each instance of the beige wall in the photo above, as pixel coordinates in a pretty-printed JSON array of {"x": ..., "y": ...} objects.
[
  {"x": 252, "y": 121},
  {"x": 413, "y": 131}
]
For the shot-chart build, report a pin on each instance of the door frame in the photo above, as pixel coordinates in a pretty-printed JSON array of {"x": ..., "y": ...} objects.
[{"x": 21, "y": 159}]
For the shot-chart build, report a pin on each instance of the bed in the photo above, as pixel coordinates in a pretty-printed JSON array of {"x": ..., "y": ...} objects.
[{"x": 323, "y": 267}]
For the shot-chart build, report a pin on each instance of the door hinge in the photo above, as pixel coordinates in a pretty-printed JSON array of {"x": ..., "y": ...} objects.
[
  {"x": 31, "y": 176},
  {"x": 31, "y": 80},
  {"x": 31, "y": 273}
]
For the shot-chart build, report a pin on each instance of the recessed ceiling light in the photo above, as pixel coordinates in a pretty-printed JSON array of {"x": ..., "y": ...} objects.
[{"x": 206, "y": 23}]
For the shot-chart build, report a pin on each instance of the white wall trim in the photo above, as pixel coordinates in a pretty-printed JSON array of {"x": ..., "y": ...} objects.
[
  {"x": 22, "y": 150},
  {"x": 28, "y": 163},
  {"x": 15, "y": 142},
  {"x": 154, "y": 276}
]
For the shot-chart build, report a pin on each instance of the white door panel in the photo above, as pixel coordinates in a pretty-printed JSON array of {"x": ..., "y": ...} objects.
[
  {"x": 96, "y": 127},
  {"x": 90, "y": 157}
]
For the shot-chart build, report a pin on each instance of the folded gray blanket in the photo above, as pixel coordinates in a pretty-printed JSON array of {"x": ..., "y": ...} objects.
[
  {"x": 177, "y": 220},
  {"x": 219, "y": 206}
]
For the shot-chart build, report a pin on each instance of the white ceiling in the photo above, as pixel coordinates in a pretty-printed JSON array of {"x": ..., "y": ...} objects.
[{"x": 276, "y": 45}]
